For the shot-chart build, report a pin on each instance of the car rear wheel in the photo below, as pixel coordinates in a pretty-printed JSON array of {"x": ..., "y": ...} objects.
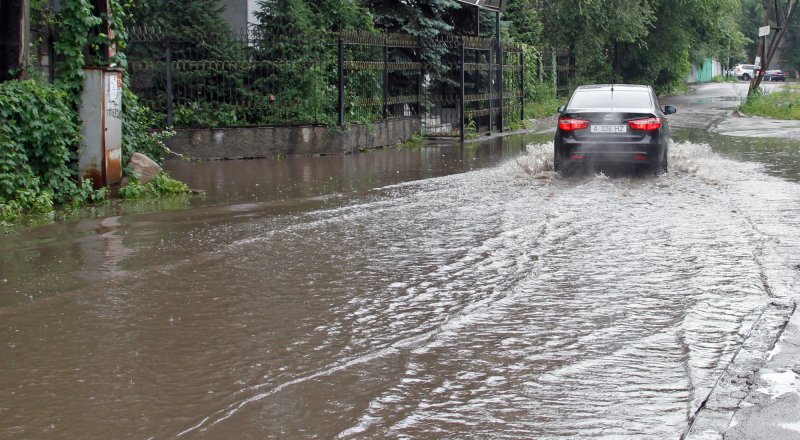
[
  {"x": 660, "y": 166},
  {"x": 746, "y": 77}
]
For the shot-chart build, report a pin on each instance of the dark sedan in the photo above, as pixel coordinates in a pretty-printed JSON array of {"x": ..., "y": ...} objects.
[
  {"x": 621, "y": 124},
  {"x": 774, "y": 75}
]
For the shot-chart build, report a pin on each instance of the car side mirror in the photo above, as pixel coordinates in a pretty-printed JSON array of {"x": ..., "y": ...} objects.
[
  {"x": 560, "y": 109},
  {"x": 668, "y": 110}
]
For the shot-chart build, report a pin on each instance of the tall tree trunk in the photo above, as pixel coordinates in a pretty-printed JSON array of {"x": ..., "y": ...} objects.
[{"x": 14, "y": 37}]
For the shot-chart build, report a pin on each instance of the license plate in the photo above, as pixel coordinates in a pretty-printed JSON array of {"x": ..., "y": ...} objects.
[{"x": 609, "y": 128}]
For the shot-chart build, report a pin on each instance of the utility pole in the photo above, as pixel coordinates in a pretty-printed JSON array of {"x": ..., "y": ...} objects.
[
  {"x": 768, "y": 48},
  {"x": 14, "y": 37}
]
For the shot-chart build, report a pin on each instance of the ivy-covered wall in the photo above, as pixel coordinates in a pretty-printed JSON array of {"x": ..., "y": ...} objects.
[{"x": 39, "y": 120}]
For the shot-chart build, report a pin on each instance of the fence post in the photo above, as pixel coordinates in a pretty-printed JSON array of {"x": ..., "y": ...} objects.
[
  {"x": 522, "y": 84},
  {"x": 463, "y": 90},
  {"x": 491, "y": 80},
  {"x": 500, "y": 67},
  {"x": 341, "y": 79},
  {"x": 170, "y": 95},
  {"x": 385, "y": 78},
  {"x": 420, "y": 76}
]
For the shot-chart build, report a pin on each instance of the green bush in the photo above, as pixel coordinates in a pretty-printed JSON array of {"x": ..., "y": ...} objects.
[
  {"x": 162, "y": 185},
  {"x": 137, "y": 120},
  {"x": 38, "y": 134}
]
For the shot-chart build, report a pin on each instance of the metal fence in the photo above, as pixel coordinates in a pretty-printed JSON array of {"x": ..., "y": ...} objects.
[{"x": 456, "y": 85}]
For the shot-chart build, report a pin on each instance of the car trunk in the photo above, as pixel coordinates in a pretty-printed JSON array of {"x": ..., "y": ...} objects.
[{"x": 606, "y": 126}]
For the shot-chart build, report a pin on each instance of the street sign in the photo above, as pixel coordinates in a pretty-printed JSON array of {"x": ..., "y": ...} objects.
[{"x": 763, "y": 31}]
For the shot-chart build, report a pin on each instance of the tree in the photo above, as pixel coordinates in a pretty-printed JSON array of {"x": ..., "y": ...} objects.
[
  {"x": 525, "y": 26},
  {"x": 647, "y": 41},
  {"x": 600, "y": 33},
  {"x": 426, "y": 19}
]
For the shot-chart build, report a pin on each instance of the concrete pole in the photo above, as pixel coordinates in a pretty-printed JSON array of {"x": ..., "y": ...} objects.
[{"x": 768, "y": 53}]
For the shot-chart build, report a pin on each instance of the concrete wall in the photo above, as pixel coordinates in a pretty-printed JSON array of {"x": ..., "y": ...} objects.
[
  {"x": 253, "y": 142},
  {"x": 239, "y": 14}
]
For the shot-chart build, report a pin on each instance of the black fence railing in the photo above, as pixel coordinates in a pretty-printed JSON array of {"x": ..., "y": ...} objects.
[{"x": 455, "y": 85}]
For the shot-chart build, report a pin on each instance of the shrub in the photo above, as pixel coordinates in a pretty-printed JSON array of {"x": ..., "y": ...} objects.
[{"x": 162, "y": 185}]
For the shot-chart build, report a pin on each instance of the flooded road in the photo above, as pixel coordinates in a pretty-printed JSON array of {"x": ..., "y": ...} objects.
[{"x": 432, "y": 293}]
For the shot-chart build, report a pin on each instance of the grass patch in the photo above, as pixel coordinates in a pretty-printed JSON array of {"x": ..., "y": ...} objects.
[
  {"x": 779, "y": 104},
  {"x": 543, "y": 108},
  {"x": 162, "y": 185},
  {"x": 417, "y": 140}
]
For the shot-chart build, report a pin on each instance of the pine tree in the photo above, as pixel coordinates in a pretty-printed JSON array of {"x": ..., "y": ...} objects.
[{"x": 423, "y": 18}]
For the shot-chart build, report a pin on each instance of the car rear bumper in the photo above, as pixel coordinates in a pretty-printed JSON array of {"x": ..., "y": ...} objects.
[{"x": 594, "y": 152}]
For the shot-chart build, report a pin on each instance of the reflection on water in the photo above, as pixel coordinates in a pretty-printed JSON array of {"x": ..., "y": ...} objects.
[
  {"x": 779, "y": 156},
  {"x": 315, "y": 179}
]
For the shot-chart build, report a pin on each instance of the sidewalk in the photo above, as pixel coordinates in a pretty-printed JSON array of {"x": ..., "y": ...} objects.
[
  {"x": 758, "y": 398},
  {"x": 772, "y": 409}
]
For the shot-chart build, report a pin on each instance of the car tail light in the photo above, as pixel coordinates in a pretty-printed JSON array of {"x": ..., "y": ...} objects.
[
  {"x": 649, "y": 124},
  {"x": 569, "y": 124}
]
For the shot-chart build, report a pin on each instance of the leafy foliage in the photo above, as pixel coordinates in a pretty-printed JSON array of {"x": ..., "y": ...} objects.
[
  {"x": 525, "y": 26},
  {"x": 76, "y": 23},
  {"x": 37, "y": 133},
  {"x": 162, "y": 185},
  {"x": 136, "y": 134},
  {"x": 642, "y": 41}
]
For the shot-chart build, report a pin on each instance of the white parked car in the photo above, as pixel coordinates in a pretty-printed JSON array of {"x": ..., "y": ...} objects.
[{"x": 745, "y": 71}]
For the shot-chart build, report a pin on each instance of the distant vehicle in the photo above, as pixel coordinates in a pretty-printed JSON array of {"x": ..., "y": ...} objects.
[
  {"x": 774, "y": 75},
  {"x": 618, "y": 123},
  {"x": 745, "y": 71}
]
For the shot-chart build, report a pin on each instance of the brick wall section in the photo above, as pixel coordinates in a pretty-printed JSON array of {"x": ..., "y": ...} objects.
[{"x": 257, "y": 142}]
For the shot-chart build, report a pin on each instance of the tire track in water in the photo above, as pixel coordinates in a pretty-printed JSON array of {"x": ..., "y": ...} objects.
[
  {"x": 481, "y": 255},
  {"x": 539, "y": 228}
]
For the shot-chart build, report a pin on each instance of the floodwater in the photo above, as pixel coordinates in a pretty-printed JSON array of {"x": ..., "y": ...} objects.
[{"x": 419, "y": 293}]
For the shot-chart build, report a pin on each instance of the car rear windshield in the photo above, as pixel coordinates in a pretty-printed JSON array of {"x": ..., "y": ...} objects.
[{"x": 608, "y": 99}]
